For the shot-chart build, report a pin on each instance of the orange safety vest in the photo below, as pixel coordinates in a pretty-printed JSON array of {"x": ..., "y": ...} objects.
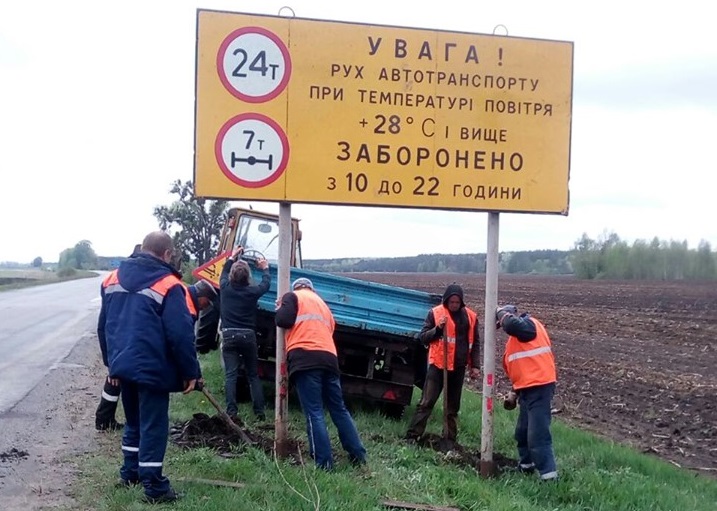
[
  {"x": 110, "y": 279},
  {"x": 435, "y": 352},
  {"x": 190, "y": 303},
  {"x": 314, "y": 326},
  {"x": 528, "y": 364},
  {"x": 156, "y": 291}
]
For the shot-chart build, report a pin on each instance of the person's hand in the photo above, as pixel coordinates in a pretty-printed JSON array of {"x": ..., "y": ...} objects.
[
  {"x": 442, "y": 322},
  {"x": 510, "y": 401},
  {"x": 475, "y": 373},
  {"x": 189, "y": 386},
  {"x": 113, "y": 381},
  {"x": 262, "y": 264},
  {"x": 237, "y": 252}
]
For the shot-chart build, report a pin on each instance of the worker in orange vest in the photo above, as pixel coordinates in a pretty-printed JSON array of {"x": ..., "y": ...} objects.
[
  {"x": 199, "y": 296},
  {"x": 314, "y": 371},
  {"x": 146, "y": 335},
  {"x": 459, "y": 325},
  {"x": 529, "y": 363}
]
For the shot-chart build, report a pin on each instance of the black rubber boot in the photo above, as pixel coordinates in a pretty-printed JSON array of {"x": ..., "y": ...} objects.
[{"x": 170, "y": 496}]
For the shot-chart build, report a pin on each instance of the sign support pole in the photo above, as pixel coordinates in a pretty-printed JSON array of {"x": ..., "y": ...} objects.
[
  {"x": 281, "y": 412},
  {"x": 487, "y": 466}
]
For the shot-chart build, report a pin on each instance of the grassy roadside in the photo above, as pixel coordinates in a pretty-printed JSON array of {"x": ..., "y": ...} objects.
[
  {"x": 595, "y": 474},
  {"x": 19, "y": 279}
]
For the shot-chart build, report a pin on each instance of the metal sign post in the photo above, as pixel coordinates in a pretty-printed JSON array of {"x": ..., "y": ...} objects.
[
  {"x": 282, "y": 376},
  {"x": 487, "y": 467}
]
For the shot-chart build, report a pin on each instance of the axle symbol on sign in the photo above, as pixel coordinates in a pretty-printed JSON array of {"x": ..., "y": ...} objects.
[
  {"x": 252, "y": 150},
  {"x": 252, "y": 160}
]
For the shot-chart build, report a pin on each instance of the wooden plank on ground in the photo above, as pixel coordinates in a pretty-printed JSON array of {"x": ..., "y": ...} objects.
[
  {"x": 395, "y": 504},
  {"x": 211, "y": 482}
]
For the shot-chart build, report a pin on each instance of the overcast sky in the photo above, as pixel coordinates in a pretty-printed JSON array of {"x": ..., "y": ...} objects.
[{"x": 97, "y": 120}]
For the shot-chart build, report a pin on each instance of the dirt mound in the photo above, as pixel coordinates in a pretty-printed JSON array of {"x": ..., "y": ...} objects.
[
  {"x": 457, "y": 454},
  {"x": 212, "y": 432}
]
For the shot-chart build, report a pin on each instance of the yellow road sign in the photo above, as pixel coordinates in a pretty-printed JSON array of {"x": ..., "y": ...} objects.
[{"x": 300, "y": 110}]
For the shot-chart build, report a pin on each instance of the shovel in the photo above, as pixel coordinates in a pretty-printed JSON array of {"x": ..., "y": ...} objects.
[
  {"x": 225, "y": 417},
  {"x": 445, "y": 385}
]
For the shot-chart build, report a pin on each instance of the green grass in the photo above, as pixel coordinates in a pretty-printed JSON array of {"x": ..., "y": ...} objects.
[
  {"x": 18, "y": 279},
  {"x": 596, "y": 475}
]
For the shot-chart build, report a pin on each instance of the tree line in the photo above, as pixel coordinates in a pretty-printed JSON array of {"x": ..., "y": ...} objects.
[
  {"x": 609, "y": 257},
  {"x": 196, "y": 225},
  {"x": 544, "y": 262}
]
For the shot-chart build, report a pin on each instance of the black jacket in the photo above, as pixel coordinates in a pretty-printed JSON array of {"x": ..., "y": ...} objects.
[
  {"x": 522, "y": 328},
  {"x": 238, "y": 303}
]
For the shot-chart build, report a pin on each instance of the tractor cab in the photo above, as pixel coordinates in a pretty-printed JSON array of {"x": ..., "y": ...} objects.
[{"x": 258, "y": 233}]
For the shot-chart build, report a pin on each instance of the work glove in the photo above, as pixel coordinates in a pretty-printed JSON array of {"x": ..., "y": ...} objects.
[
  {"x": 440, "y": 326},
  {"x": 510, "y": 401},
  {"x": 503, "y": 311}
]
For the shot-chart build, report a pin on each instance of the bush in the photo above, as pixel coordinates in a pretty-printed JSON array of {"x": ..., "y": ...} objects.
[{"x": 66, "y": 272}]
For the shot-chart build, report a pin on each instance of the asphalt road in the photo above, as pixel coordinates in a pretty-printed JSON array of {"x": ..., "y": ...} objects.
[{"x": 39, "y": 326}]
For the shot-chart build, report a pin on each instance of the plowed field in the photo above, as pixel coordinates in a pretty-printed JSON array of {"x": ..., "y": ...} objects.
[{"x": 637, "y": 361}]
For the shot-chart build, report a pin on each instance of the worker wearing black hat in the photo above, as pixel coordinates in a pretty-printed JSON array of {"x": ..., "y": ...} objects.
[{"x": 450, "y": 331}]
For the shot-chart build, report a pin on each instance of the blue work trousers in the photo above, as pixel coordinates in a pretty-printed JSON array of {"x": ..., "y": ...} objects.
[
  {"x": 316, "y": 388},
  {"x": 145, "y": 437},
  {"x": 532, "y": 431}
]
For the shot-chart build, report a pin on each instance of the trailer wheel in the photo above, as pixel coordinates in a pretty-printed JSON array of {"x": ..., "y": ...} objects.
[{"x": 392, "y": 410}]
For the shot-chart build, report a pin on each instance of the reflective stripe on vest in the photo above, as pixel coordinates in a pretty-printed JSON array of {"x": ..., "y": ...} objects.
[
  {"x": 156, "y": 291},
  {"x": 435, "y": 352},
  {"x": 314, "y": 326},
  {"x": 311, "y": 317},
  {"x": 528, "y": 364},
  {"x": 151, "y": 293},
  {"x": 111, "y": 284},
  {"x": 529, "y": 353}
]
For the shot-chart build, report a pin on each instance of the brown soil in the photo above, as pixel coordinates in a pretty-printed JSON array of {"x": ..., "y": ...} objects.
[
  {"x": 205, "y": 431},
  {"x": 637, "y": 361},
  {"x": 457, "y": 454}
]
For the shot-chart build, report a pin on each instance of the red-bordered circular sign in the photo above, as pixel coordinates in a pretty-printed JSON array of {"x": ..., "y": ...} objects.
[
  {"x": 254, "y": 64},
  {"x": 252, "y": 150}
]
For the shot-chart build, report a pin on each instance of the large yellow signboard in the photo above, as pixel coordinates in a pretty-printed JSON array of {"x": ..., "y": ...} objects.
[{"x": 311, "y": 111}]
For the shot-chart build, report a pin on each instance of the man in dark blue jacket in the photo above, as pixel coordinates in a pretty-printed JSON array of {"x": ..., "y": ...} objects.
[
  {"x": 146, "y": 335},
  {"x": 200, "y": 296}
]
